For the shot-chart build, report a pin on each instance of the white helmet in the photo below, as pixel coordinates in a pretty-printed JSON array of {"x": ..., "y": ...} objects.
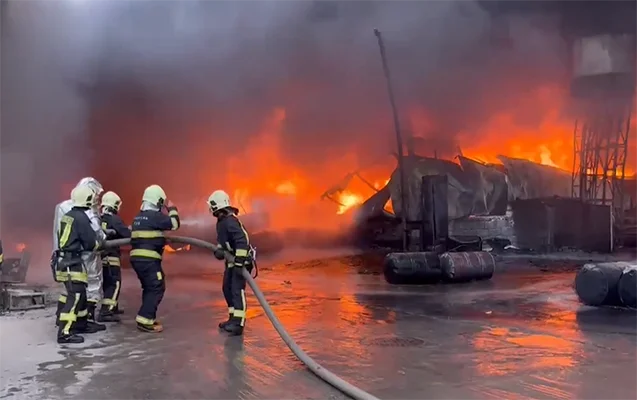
[
  {"x": 112, "y": 200},
  {"x": 84, "y": 196},
  {"x": 93, "y": 183},
  {"x": 218, "y": 200},
  {"x": 155, "y": 195}
]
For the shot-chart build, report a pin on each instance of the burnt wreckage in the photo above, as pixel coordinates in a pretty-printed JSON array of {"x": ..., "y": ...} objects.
[{"x": 520, "y": 203}]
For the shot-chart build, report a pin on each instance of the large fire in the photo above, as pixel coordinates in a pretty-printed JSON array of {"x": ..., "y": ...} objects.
[{"x": 261, "y": 177}]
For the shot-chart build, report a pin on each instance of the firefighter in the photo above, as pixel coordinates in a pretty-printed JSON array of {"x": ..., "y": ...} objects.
[
  {"x": 93, "y": 262},
  {"x": 233, "y": 238},
  {"x": 147, "y": 243},
  {"x": 111, "y": 263},
  {"x": 76, "y": 237}
]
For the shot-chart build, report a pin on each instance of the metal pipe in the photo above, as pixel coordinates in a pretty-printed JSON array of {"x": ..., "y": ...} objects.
[
  {"x": 329, "y": 377},
  {"x": 399, "y": 139}
]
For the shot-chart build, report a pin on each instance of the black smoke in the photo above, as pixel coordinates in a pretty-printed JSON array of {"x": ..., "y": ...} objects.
[{"x": 136, "y": 92}]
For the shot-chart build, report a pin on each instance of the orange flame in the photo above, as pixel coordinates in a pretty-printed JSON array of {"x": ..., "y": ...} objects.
[
  {"x": 170, "y": 249},
  {"x": 348, "y": 200},
  {"x": 263, "y": 171},
  {"x": 20, "y": 247}
]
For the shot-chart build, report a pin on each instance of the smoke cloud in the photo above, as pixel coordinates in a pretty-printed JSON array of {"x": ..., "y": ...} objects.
[{"x": 137, "y": 92}]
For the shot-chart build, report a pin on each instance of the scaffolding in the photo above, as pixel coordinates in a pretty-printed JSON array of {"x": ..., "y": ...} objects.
[{"x": 601, "y": 147}]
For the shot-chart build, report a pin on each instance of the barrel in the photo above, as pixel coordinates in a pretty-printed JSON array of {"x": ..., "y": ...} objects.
[
  {"x": 412, "y": 268},
  {"x": 467, "y": 266},
  {"x": 598, "y": 284},
  {"x": 627, "y": 287}
]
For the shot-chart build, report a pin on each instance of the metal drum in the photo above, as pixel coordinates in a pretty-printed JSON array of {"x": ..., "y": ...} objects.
[
  {"x": 627, "y": 287},
  {"x": 412, "y": 268},
  {"x": 467, "y": 266},
  {"x": 598, "y": 284}
]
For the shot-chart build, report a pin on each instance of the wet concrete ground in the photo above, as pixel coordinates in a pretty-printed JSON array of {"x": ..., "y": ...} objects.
[{"x": 520, "y": 335}]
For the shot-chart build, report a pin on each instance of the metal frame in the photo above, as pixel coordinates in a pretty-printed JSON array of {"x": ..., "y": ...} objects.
[{"x": 600, "y": 152}]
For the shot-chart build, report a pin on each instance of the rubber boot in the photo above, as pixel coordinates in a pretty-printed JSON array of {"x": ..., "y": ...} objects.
[
  {"x": 234, "y": 328},
  {"x": 107, "y": 315},
  {"x": 70, "y": 339},
  {"x": 95, "y": 327},
  {"x": 223, "y": 324},
  {"x": 154, "y": 328},
  {"x": 85, "y": 326},
  {"x": 91, "y": 324}
]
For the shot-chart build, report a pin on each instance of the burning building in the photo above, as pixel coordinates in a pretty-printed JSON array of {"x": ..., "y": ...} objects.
[
  {"x": 276, "y": 101},
  {"x": 602, "y": 95}
]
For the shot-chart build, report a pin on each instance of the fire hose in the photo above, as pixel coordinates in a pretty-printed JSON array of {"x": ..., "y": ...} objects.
[{"x": 329, "y": 377}]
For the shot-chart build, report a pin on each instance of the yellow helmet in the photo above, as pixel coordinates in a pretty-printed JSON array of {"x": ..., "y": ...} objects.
[
  {"x": 154, "y": 194},
  {"x": 218, "y": 200},
  {"x": 112, "y": 200},
  {"x": 84, "y": 196}
]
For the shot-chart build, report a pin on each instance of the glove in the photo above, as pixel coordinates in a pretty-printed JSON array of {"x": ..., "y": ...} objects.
[
  {"x": 219, "y": 254},
  {"x": 110, "y": 232}
]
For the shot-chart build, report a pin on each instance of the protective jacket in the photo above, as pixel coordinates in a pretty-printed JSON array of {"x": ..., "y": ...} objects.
[
  {"x": 147, "y": 234},
  {"x": 92, "y": 261},
  {"x": 114, "y": 222},
  {"x": 66, "y": 206},
  {"x": 234, "y": 238},
  {"x": 1, "y": 253},
  {"x": 75, "y": 238},
  {"x": 76, "y": 235}
]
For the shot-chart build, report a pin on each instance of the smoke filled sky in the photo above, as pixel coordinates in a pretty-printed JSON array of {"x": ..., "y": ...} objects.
[{"x": 141, "y": 92}]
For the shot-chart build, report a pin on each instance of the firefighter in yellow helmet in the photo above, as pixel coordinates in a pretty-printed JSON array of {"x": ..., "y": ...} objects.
[
  {"x": 232, "y": 238},
  {"x": 76, "y": 238},
  {"x": 147, "y": 242},
  {"x": 93, "y": 263},
  {"x": 115, "y": 228}
]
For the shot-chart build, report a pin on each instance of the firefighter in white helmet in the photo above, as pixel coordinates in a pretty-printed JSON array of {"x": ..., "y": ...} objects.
[
  {"x": 111, "y": 263},
  {"x": 147, "y": 242},
  {"x": 232, "y": 238},
  {"x": 76, "y": 238},
  {"x": 92, "y": 260}
]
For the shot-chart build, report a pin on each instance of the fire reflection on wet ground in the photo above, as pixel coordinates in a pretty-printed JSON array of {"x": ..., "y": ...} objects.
[{"x": 520, "y": 335}]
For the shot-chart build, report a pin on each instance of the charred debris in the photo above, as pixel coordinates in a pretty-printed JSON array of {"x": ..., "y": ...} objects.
[
  {"x": 441, "y": 205},
  {"x": 516, "y": 206}
]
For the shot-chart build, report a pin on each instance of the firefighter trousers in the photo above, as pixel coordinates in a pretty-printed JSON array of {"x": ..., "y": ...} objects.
[
  {"x": 234, "y": 285},
  {"x": 74, "y": 312},
  {"x": 111, "y": 286},
  {"x": 151, "y": 276}
]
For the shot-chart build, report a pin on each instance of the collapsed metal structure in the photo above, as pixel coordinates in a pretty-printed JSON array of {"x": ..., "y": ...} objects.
[{"x": 601, "y": 38}]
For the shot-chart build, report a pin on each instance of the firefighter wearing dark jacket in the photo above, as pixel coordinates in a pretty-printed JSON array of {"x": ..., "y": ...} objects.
[
  {"x": 233, "y": 238},
  {"x": 114, "y": 227},
  {"x": 76, "y": 238},
  {"x": 147, "y": 242}
]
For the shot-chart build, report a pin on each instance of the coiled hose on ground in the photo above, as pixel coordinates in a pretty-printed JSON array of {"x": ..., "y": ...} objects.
[{"x": 329, "y": 377}]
